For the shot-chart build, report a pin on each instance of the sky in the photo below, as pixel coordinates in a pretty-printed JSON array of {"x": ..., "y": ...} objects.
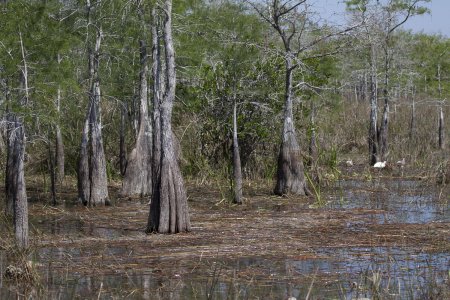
[{"x": 437, "y": 22}]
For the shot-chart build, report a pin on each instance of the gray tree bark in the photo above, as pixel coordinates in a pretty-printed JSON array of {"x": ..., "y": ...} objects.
[
  {"x": 373, "y": 128},
  {"x": 92, "y": 177},
  {"x": 157, "y": 98},
  {"x": 383, "y": 135},
  {"x": 52, "y": 171},
  {"x": 2, "y": 136},
  {"x": 60, "y": 173},
  {"x": 59, "y": 144},
  {"x": 84, "y": 185},
  {"x": 169, "y": 210},
  {"x": 16, "y": 187},
  {"x": 237, "y": 170},
  {"x": 313, "y": 151},
  {"x": 97, "y": 164},
  {"x": 138, "y": 177},
  {"x": 83, "y": 181},
  {"x": 412, "y": 124},
  {"x": 384, "y": 127},
  {"x": 9, "y": 172},
  {"x": 290, "y": 173},
  {"x": 441, "y": 129},
  {"x": 122, "y": 146},
  {"x": 441, "y": 135},
  {"x": 6, "y": 131}
]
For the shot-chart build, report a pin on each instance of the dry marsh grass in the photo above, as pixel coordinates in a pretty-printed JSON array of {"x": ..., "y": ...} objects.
[{"x": 110, "y": 242}]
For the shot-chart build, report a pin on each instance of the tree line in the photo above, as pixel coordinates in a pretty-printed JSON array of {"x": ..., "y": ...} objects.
[{"x": 145, "y": 91}]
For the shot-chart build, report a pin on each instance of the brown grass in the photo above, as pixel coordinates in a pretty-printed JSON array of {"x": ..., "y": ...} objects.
[{"x": 110, "y": 241}]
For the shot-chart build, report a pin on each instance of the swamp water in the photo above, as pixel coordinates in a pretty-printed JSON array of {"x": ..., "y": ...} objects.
[{"x": 371, "y": 255}]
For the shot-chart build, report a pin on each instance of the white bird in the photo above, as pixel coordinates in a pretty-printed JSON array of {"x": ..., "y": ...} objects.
[
  {"x": 380, "y": 165},
  {"x": 349, "y": 163},
  {"x": 401, "y": 163}
]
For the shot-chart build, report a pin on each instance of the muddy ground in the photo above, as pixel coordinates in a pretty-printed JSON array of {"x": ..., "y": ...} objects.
[{"x": 383, "y": 237}]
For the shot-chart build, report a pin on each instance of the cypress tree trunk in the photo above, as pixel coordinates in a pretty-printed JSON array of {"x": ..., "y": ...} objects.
[
  {"x": 441, "y": 129},
  {"x": 373, "y": 136},
  {"x": 366, "y": 87},
  {"x": 237, "y": 171},
  {"x": 84, "y": 185},
  {"x": 3, "y": 148},
  {"x": 97, "y": 164},
  {"x": 16, "y": 189},
  {"x": 9, "y": 170},
  {"x": 59, "y": 145},
  {"x": 138, "y": 178},
  {"x": 168, "y": 210},
  {"x": 92, "y": 177},
  {"x": 441, "y": 141},
  {"x": 290, "y": 173},
  {"x": 59, "y": 155},
  {"x": 412, "y": 125},
  {"x": 83, "y": 182},
  {"x": 383, "y": 138},
  {"x": 313, "y": 153},
  {"x": 51, "y": 170},
  {"x": 16, "y": 182},
  {"x": 156, "y": 120},
  {"x": 6, "y": 131},
  {"x": 122, "y": 146}
]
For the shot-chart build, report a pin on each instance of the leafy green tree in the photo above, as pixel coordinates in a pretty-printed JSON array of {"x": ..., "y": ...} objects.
[
  {"x": 220, "y": 58},
  {"x": 32, "y": 35}
]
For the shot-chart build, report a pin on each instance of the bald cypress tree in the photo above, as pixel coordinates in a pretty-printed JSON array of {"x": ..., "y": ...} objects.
[
  {"x": 138, "y": 176},
  {"x": 169, "y": 209},
  {"x": 92, "y": 177}
]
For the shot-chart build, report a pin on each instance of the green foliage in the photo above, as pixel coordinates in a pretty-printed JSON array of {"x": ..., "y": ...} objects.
[
  {"x": 430, "y": 52},
  {"x": 222, "y": 64},
  {"x": 392, "y": 6},
  {"x": 357, "y": 5},
  {"x": 43, "y": 29},
  {"x": 224, "y": 53}
]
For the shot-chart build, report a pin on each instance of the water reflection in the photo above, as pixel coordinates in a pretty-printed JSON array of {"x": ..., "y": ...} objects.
[
  {"x": 126, "y": 270},
  {"x": 403, "y": 201},
  {"x": 331, "y": 273},
  {"x": 68, "y": 225}
]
